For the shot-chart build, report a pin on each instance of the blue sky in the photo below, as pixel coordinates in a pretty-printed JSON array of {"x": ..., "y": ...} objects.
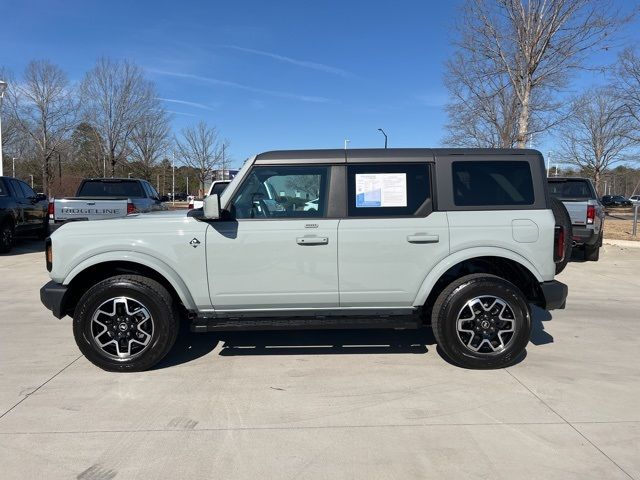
[{"x": 268, "y": 74}]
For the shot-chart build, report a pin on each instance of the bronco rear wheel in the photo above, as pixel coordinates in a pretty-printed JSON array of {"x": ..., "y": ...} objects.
[
  {"x": 126, "y": 323},
  {"x": 481, "y": 321}
]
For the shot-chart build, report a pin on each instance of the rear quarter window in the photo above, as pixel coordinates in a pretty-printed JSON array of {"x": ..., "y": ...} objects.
[{"x": 492, "y": 183}]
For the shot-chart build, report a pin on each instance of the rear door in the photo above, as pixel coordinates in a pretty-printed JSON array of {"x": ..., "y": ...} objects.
[
  {"x": 271, "y": 254},
  {"x": 22, "y": 206},
  {"x": 391, "y": 236},
  {"x": 34, "y": 210}
]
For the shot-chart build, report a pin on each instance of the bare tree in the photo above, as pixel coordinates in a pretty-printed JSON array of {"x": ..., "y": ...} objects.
[
  {"x": 483, "y": 108},
  {"x": 627, "y": 86},
  {"x": 597, "y": 133},
  {"x": 200, "y": 148},
  {"x": 43, "y": 108},
  {"x": 116, "y": 97},
  {"x": 86, "y": 150},
  {"x": 149, "y": 142},
  {"x": 519, "y": 52}
]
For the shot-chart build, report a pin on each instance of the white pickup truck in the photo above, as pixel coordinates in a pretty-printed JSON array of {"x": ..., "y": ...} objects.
[
  {"x": 216, "y": 187},
  {"x": 586, "y": 212},
  {"x": 104, "y": 198}
]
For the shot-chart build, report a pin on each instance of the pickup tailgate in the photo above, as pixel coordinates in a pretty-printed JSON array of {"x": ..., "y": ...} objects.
[
  {"x": 66, "y": 209},
  {"x": 577, "y": 212}
]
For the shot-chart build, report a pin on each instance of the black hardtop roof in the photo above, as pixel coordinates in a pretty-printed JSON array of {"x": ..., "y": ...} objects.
[
  {"x": 564, "y": 179},
  {"x": 110, "y": 179},
  {"x": 390, "y": 154}
]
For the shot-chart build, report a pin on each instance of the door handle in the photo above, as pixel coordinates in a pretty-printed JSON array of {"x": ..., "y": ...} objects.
[
  {"x": 312, "y": 240},
  {"x": 423, "y": 238}
]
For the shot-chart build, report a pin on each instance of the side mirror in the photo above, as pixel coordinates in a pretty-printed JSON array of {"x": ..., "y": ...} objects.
[
  {"x": 212, "y": 207},
  {"x": 40, "y": 197}
]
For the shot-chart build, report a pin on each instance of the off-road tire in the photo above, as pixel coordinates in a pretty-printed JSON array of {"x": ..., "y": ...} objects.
[
  {"x": 452, "y": 301},
  {"x": 7, "y": 233},
  {"x": 44, "y": 230},
  {"x": 564, "y": 220},
  {"x": 149, "y": 293}
]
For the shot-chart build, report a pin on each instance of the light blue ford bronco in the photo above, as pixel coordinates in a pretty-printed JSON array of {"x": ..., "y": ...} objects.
[{"x": 463, "y": 240}]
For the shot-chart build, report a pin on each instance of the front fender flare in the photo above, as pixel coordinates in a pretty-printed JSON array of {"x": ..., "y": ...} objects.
[
  {"x": 467, "y": 254},
  {"x": 143, "y": 259}
]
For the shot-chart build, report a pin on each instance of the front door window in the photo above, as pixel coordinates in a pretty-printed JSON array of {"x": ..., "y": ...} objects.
[{"x": 282, "y": 192}]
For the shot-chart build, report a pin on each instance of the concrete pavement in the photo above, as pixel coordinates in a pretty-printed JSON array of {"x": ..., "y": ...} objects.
[{"x": 352, "y": 404}]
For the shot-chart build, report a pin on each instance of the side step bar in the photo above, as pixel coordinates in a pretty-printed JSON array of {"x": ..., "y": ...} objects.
[{"x": 202, "y": 324}]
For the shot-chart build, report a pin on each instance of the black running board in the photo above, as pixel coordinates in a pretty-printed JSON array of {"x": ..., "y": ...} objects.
[{"x": 202, "y": 324}]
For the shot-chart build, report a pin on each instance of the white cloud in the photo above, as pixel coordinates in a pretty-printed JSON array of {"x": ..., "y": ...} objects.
[
  {"x": 184, "y": 102},
  {"x": 301, "y": 63},
  {"x": 226, "y": 83}
]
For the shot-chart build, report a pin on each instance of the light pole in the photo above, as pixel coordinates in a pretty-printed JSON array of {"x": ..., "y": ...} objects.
[
  {"x": 346, "y": 143},
  {"x": 223, "y": 162},
  {"x": 173, "y": 180},
  {"x": 31, "y": 180},
  {"x": 3, "y": 87},
  {"x": 549, "y": 163},
  {"x": 385, "y": 137},
  {"x": 187, "y": 185},
  {"x": 13, "y": 167}
]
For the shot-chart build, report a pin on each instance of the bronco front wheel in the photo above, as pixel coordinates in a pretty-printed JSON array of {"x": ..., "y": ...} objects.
[{"x": 126, "y": 323}]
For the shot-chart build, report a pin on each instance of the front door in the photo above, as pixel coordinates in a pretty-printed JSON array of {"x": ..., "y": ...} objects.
[{"x": 276, "y": 250}]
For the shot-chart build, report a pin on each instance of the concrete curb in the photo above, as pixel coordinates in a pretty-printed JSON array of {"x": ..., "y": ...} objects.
[{"x": 622, "y": 243}]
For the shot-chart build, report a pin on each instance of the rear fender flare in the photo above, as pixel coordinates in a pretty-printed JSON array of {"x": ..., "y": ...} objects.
[{"x": 468, "y": 254}]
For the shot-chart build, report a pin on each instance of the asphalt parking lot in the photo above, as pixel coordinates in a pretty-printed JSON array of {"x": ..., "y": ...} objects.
[{"x": 352, "y": 404}]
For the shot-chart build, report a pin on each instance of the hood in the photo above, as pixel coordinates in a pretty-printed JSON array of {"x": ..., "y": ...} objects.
[{"x": 142, "y": 222}]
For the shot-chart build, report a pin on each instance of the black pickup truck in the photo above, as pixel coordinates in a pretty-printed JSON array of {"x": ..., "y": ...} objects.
[{"x": 22, "y": 212}]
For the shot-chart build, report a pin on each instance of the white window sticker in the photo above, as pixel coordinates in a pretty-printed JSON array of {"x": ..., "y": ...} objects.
[{"x": 381, "y": 190}]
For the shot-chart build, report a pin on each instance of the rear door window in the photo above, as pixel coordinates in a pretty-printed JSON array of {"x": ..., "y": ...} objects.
[
  {"x": 387, "y": 189},
  {"x": 27, "y": 191},
  {"x": 478, "y": 183},
  {"x": 17, "y": 191}
]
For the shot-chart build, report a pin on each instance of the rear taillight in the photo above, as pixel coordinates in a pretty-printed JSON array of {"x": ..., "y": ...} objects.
[
  {"x": 591, "y": 214},
  {"x": 190, "y": 206},
  {"x": 131, "y": 208},
  {"x": 558, "y": 250},
  {"x": 50, "y": 210}
]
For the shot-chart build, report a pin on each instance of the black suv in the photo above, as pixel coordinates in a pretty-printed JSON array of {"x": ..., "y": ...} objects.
[
  {"x": 616, "y": 201},
  {"x": 22, "y": 212}
]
